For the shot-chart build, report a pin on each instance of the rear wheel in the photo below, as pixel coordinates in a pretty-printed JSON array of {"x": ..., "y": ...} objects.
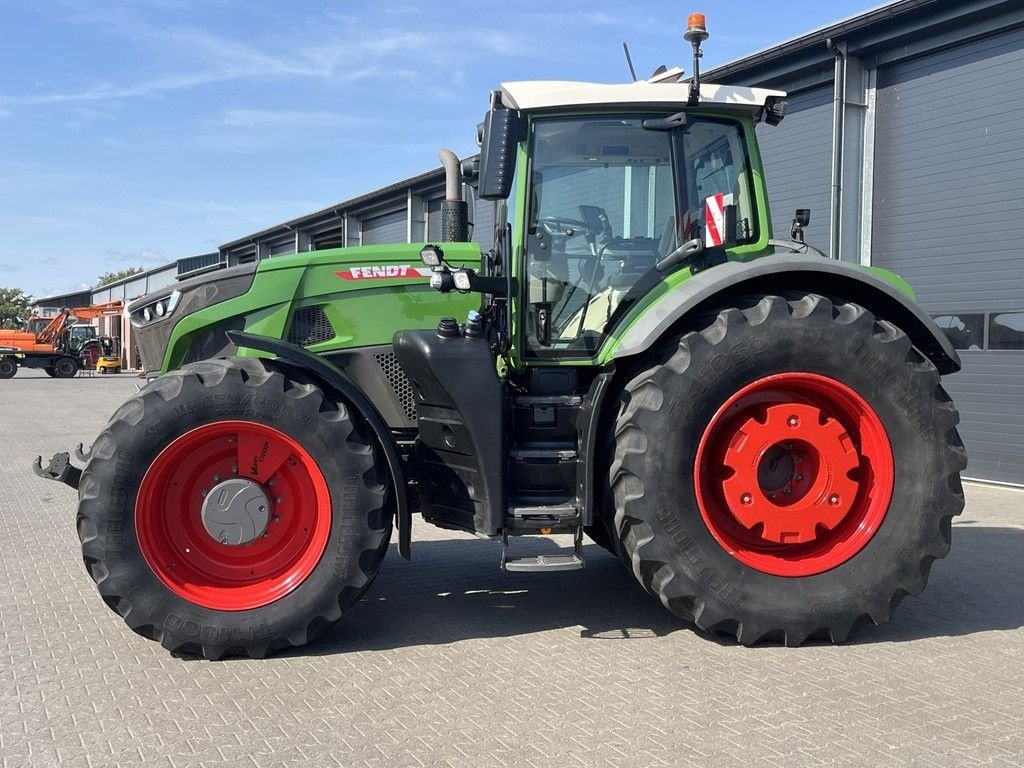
[
  {"x": 227, "y": 509},
  {"x": 789, "y": 470},
  {"x": 7, "y": 368},
  {"x": 65, "y": 368}
]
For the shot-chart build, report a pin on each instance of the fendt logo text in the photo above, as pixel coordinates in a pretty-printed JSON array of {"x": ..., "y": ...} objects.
[{"x": 383, "y": 272}]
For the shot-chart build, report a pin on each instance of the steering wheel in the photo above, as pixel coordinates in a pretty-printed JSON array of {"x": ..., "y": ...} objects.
[{"x": 564, "y": 227}]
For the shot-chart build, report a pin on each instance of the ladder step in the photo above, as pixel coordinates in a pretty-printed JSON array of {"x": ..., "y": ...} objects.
[
  {"x": 559, "y": 454},
  {"x": 543, "y": 519},
  {"x": 544, "y": 563},
  {"x": 569, "y": 400},
  {"x": 563, "y": 511}
]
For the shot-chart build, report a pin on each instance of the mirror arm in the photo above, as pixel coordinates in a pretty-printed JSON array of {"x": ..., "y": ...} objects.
[{"x": 687, "y": 250}]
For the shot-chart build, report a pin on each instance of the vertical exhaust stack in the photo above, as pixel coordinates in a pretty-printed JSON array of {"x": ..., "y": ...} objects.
[{"x": 454, "y": 211}]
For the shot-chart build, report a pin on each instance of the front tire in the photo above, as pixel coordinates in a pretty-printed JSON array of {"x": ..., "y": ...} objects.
[
  {"x": 7, "y": 368},
  {"x": 789, "y": 470},
  {"x": 206, "y": 580}
]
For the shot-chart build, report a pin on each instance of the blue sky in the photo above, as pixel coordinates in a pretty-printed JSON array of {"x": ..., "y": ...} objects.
[{"x": 136, "y": 132}]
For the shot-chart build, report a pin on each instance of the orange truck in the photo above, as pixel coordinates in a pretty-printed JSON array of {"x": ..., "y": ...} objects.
[{"x": 51, "y": 348}]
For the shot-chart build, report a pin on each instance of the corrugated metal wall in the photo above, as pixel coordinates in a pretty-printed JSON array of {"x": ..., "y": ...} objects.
[
  {"x": 798, "y": 164},
  {"x": 948, "y": 201},
  {"x": 387, "y": 228}
]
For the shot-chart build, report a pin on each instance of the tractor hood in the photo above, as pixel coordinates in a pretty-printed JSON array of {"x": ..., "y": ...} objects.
[{"x": 323, "y": 300}]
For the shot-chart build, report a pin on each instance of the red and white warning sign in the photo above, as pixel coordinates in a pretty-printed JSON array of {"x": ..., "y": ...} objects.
[
  {"x": 384, "y": 272},
  {"x": 714, "y": 218}
]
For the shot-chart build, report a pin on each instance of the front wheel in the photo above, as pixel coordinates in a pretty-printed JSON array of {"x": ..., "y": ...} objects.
[
  {"x": 229, "y": 510},
  {"x": 790, "y": 470},
  {"x": 7, "y": 368}
]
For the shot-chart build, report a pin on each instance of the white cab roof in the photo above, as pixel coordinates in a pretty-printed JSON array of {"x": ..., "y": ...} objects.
[{"x": 549, "y": 94}]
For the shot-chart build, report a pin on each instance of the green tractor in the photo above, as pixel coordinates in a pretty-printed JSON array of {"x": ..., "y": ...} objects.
[{"x": 756, "y": 430}]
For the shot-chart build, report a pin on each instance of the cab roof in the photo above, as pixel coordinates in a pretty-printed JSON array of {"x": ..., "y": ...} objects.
[{"x": 662, "y": 90}]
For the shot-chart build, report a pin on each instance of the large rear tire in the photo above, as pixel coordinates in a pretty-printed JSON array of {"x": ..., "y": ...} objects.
[
  {"x": 229, "y": 510},
  {"x": 789, "y": 470},
  {"x": 7, "y": 368}
]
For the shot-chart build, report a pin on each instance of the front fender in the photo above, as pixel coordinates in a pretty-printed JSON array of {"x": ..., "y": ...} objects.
[
  {"x": 334, "y": 378},
  {"x": 877, "y": 290}
]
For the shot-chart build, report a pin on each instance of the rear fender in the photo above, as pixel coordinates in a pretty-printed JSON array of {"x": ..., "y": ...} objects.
[
  {"x": 718, "y": 285},
  {"x": 332, "y": 378}
]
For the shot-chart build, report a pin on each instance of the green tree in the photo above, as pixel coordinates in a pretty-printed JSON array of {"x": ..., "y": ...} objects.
[
  {"x": 14, "y": 304},
  {"x": 113, "y": 277}
]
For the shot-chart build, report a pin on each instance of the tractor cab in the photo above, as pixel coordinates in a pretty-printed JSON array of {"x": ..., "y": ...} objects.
[{"x": 607, "y": 195}]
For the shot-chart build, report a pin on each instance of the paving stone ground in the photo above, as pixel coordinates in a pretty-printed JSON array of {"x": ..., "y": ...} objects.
[{"x": 450, "y": 662}]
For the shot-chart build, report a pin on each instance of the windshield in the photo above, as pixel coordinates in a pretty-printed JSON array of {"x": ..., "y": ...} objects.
[{"x": 604, "y": 209}]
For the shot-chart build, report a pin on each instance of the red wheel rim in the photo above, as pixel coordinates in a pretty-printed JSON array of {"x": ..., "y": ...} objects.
[
  {"x": 196, "y": 566},
  {"x": 794, "y": 474}
]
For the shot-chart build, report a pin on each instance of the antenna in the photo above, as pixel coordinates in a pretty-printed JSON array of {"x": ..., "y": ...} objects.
[{"x": 629, "y": 61}]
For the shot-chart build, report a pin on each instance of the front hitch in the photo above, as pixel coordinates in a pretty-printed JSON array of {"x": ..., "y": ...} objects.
[{"x": 60, "y": 468}]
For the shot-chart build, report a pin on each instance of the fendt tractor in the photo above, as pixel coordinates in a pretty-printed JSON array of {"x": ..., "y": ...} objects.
[{"x": 756, "y": 430}]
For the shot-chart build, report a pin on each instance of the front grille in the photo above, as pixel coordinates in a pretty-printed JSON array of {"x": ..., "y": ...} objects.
[
  {"x": 310, "y": 326},
  {"x": 399, "y": 382}
]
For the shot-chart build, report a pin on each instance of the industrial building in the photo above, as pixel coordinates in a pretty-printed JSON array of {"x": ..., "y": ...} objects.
[{"x": 903, "y": 138}]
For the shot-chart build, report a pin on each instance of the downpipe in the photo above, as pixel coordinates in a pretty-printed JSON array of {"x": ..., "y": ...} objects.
[{"x": 838, "y": 129}]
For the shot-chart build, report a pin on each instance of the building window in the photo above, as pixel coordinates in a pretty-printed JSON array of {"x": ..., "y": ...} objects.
[
  {"x": 965, "y": 331},
  {"x": 1006, "y": 330}
]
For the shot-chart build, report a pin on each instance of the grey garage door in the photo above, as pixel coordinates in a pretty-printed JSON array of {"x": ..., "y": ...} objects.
[
  {"x": 797, "y": 156},
  {"x": 389, "y": 228},
  {"x": 948, "y": 207}
]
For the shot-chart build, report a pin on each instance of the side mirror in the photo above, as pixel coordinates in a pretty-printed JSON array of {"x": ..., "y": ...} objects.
[
  {"x": 499, "y": 136},
  {"x": 801, "y": 220}
]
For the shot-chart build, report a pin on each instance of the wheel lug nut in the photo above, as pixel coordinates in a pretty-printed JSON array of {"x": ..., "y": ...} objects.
[
  {"x": 833, "y": 499},
  {"x": 798, "y": 478},
  {"x": 787, "y": 490},
  {"x": 792, "y": 421},
  {"x": 746, "y": 498},
  {"x": 279, "y": 499},
  {"x": 216, "y": 478}
]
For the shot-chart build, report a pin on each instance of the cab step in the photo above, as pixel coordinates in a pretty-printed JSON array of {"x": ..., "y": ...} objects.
[{"x": 545, "y": 562}]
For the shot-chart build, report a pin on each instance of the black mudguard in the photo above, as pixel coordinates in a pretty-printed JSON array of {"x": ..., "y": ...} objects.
[
  {"x": 334, "y": 378},
  {"x": 715, "y": 286}
]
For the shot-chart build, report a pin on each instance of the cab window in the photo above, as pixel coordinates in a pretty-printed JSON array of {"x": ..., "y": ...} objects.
[{"x": 602, "y": 211}]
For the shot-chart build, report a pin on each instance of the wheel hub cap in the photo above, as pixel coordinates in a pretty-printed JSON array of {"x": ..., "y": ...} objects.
[
  {"x": 794, "y": 489},
  {"x": 236, "y": 512},
  {"x": 794, "y": 474},
  {"x": 233, "y": 515}
]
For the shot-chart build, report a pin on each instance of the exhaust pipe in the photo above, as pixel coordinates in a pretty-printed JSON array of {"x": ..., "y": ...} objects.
[{"x": 454, "y": 211}]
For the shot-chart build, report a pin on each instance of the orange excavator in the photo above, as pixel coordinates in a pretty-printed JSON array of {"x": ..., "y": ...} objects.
[{"x": 52, "y": 348}]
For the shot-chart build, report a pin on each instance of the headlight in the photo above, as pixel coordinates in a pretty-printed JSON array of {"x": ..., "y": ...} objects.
[
  {"x": 431, "y": 255},
  {"x": 172, "y": 301},
  {"x": 461, "y": 279},
  {"x": 160, "y": 309},
  {"x": 147, "y": 315}
]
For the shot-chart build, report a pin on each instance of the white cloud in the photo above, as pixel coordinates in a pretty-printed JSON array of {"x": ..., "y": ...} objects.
[{"x": 267, "y": 118}]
